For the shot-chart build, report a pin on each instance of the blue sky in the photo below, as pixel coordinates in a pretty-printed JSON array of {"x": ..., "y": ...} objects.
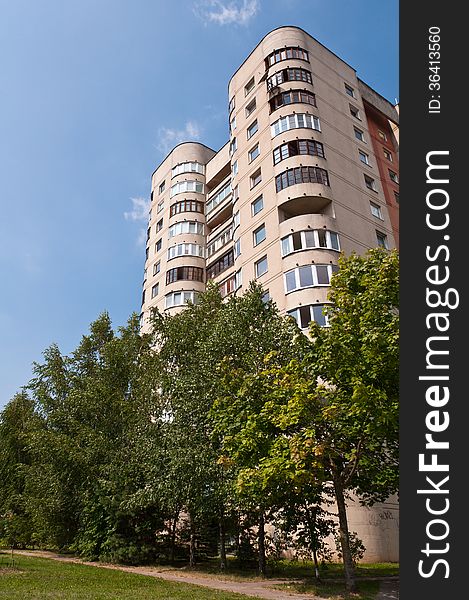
[{"x": 93, "y": 93}]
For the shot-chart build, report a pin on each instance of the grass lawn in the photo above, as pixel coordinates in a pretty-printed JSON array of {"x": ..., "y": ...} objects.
[{"x": 44, "y": 579}]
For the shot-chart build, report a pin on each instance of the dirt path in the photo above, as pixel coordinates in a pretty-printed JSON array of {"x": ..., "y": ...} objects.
[
  {"x": 389, "y": 590},
  {"x": 259, "y": 589}
]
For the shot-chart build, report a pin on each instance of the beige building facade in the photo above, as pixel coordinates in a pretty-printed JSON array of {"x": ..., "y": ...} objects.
[{"x": 296, "y": 184}]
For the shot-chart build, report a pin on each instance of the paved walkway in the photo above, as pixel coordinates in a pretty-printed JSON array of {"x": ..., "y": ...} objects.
[{"x": 256, "y": 588}]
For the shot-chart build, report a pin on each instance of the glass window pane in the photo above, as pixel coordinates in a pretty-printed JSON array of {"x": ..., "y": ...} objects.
[
  {"x": 323, "y": 274},
  {"x": 306, "y": 276},
  {"x": 290, "y": 281},
  {"x": 318, "y": 314}
]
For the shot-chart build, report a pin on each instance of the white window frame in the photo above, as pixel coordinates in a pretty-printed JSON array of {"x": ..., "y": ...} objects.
[
  {"x": 314, "y": 277},
  {"x": 364, "y": 157},
  {"x": 286, "y": 243},
  {"x": 260, "y": 199},
  {"x": 180, "y": 298},
  {"x": 256, "y": 266},
  {"x": 251, "y": 152},
  {"x": 188, "y": 167},
  {"x": 376, "y": 210},
  {"x": 259, "y": 229},
  {"x": 295, "y": 121},
  {"x": 188, "y": 185},
  {"x": 192, "y": 227},
  {"x": 185, "y": 249}
]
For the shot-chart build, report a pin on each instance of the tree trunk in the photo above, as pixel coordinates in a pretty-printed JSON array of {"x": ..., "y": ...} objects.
[
  {"x": 350, "y": 581},
  {"x": 192, "y": 543},
  {"x": 316, "y": 565},
  {"x": 311, "y": 519},
  {"x": 221, "y": 524},
  {"x": 172, "y": 541},
  {"x": 261, "y": 545}
]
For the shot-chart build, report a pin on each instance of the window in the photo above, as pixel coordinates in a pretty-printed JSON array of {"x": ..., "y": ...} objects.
[
  {"x": 143, "y": 297},
  {"x": 236, "y": 219},
  {"x": 251, "y": 107},
  {"x": 309, "y": 276},
  {"x": 237, "y": 248},
  {"x": 396, "y": 196},
  {"x": 186, "y": 206},
  {"x": 249, "y": 86},
  {"x": 257, "y": 205},
  {"x": 376, "y": 210},
  {"x": 223, "y": 263},
  {"x": 266, "y": 297},
  {"x": 186, "y": 227},
  {"x": 382, "y": 135},
  {"x": 235, "y": 193},
  {"x": 187, "y": 167},
  {"x": 256, "y": 178},
  {"x": 370, "y": 183},
  {"x": 359, "y": 134},
  {"x": 218, "y": 198},
  {"x": 231, "y": 105},
  {"x": 227, "y": 286},
  {"x": 233, "y": 146},
  {"x": 232, "y": 125},
  {"x": 387, "y": 154},
  {"x": 156, "y": 268},
  {"x": 160, "y": 206},
  {"x": 159, "y": 226},
  {"x": 220, "y": 240},
  {"x": 234, "y": 168},
  {"x": 185, "y": 250},
  {"x": 382, "y": 240},
  {"x": 285, "y": 54},
  {"x": 288, "y": 75},
  {"x": 261, "y": 266},
  {"x": 365, "y": 159},
  {"x": 303, "y": 315},
  {"x": 304, "y": 240},
  {"x": 292, "y": 97},
  {"x": 154, "y": 290},
  {"x": 238, "y": 280},
  {"x": 158, "y": 245},
  {"x": 259, "y": 235},
  {"x": 253, "y": 153},
  {"x": 186, "y": 186},
  {"x": 180, "y": 298},
  {"x": 146, "y": 253},
  {"x": 252, "y": 129},
  {"x": 297, "y": 147},
  {"x": 295, "y": 121},
  {"x": 393, "y": 176},
  {"x": 354, "y": 112},
  {"x": 184, "y": 274},
  {"x": 148, "y": 233},
  {"x": 349, "y": 90},
  {"x": 161, "y": 187},
  {"x": 301, "y": 175}
]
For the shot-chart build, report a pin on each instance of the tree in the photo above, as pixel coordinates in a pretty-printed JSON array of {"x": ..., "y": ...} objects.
[{"x": 330, "y": 414}]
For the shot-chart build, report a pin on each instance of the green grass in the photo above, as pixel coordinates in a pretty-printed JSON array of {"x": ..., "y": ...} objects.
[{"x": 45, "y": 579}]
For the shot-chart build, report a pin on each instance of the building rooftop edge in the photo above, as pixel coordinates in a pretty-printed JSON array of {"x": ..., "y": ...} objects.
[{"x": 177, "y": 146}]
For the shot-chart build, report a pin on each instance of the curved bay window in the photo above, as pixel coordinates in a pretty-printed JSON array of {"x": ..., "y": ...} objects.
[
  {"x": 301, "y": 175},
  {"x": 285, "y": 54},
  {"x": 184, "y": 274},
  {"x": 310, "y": 239},
  {"x": 309, "y": 276},
  {"x": 303, "y": 315},
  {"x": 295, "y": 121},
  {"x": 297, "y": 147},
  {"x": 289, "y": 75},
  {"x": 292, "y": 97},
  {"x": 188, "y": 167},
  {"x": 186, "y": 206}
]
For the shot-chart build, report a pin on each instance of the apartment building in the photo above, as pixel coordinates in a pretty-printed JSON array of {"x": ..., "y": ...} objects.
[{"x": 310, "y": 170}]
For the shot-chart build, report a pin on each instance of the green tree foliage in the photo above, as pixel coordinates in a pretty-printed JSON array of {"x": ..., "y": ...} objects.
[{"x": 330, "y": 415}]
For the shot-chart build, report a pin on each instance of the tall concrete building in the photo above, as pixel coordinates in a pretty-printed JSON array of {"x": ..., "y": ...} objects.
[{"x": 310, "y": 170}]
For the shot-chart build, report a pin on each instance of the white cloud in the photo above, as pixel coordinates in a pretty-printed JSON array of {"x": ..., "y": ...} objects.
[
  {"x": 225, "y": 13},
  {"x": 140, "y": 208},
  {"x": 168, "y": 138}
]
